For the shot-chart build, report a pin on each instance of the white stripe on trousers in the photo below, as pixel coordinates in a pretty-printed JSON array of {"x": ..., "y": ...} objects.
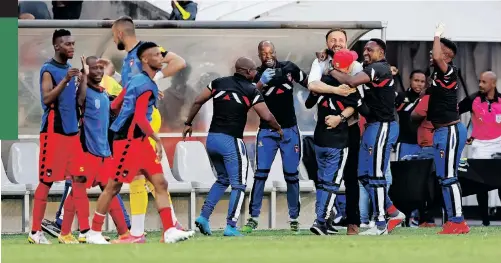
[
  {"x": 379, "y": 191},
  {"x": 338, "y": 180},
  {"x": 244, "y": 166},
  {"x": 456, "y": 195}
]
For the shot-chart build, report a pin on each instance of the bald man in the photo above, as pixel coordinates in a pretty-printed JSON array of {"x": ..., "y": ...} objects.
[
  {"x": 232, "y": 98},
  {"x": 485, "y": 140},
  {"x": 276, "y": 81}
]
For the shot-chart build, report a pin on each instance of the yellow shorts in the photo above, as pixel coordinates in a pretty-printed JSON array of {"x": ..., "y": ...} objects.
[{"x": 156, "y": 122}]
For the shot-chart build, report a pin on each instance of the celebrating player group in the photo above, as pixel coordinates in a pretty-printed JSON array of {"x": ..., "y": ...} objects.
[{"x": 90, "y": 137}]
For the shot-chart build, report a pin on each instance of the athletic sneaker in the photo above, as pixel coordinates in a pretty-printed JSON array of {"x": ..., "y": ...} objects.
[
  {"x": 395, "y": 221},
  {"x": 230, "y": 231},
  {"x": 51, "y": 228},
  {"x": 67, "y": 239},
  {"x": 190, "y": 232},
  {"x": 93, "y": 237},
  {"x": 174, "y": 235},
  {"x": 319, "y": 228},
  {"x": 38, "y": 238},
  {"x": 375, "y": 231},
  {"x": 294, "y": 224},
  {"x": 82, "y": 237},
  {"x": 251, "y": 225},
  {"x": 451, "y": 228},
  {"x": 203, "y": 225},
  {"x": 129, "y": 239}
]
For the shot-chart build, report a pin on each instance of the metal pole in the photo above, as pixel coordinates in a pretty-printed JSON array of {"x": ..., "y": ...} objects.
[
  {"x": 150, "y": 24},
  {"x": 384, "y": 25}
]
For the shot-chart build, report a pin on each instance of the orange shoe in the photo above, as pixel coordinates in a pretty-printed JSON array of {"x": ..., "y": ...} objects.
[
  {"x": 129, "y": 239},
  {"x": 451, "y": 228}
]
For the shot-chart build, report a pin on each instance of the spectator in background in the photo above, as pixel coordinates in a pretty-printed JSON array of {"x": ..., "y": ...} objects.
[
  {"x": 37, "y": 10},
  {"x": 405, "y": 104},
  {"x": 485, "y": 140},
  {"x": 66, "y": 10},
  {"x": 425, "y": 142},
  {"x": 183, "y": 10}
]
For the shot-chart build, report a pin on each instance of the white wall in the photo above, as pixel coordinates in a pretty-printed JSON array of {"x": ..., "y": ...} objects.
[{"x": 407, "y": 20}]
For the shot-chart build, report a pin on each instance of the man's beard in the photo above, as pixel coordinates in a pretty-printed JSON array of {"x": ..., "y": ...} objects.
[
  {"x": 121, "y": 45},
  {"x": 329, "y": 52}
]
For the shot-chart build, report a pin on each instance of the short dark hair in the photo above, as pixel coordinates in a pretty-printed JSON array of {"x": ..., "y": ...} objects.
[
  {"x": 380, "y": 43},
  {"x": 87, "y": 59},
  {"x": 126, "y": 20},
  {"x": 449, "y": 44},
  {"x": 59, "y": 33},
  {"x": 336, "y": 30},
  {"x": 416, "y": 71},
  {"x": 145, "y": 46}
]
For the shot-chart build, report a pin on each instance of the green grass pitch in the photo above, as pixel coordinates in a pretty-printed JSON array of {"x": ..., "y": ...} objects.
[{"x": 404, "y": 245}]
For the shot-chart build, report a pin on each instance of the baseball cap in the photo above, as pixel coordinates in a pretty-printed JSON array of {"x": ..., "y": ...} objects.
[{"x": 343, "y": 58}]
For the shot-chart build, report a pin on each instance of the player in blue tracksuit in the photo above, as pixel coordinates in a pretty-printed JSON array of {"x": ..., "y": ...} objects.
[
  {"x": 232, "y": 98},
  {"x": 379, "y": 136},
  {"x": 331, "y": 141},
  {"x": 450, "y": 134},
  {"x": 277, "y": 91}
]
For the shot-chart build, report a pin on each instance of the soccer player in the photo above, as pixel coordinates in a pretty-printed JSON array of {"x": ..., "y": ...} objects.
[
  {"x": 233, "y": 97},
  {"x": 336, "y": 39},
  {"x": 113, "y": 89},
  {"x": 406, "y": 102},
  {"x": 450, "y": 134},
  {"x": 59, "y": 140},
  {"x": 379, "y": 136},
  {"x": 95, "y": 108},
  {"x": 124, "y": 36},
  {"x": 331, "y": 139},
  {"x": 277, "y": 91},
  {"x": 133, "y": 153}
]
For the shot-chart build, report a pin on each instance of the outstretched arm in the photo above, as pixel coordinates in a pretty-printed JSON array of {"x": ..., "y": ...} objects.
[
  {"x": 437, "y": 54},
  {"x": 353, "y": 81}
]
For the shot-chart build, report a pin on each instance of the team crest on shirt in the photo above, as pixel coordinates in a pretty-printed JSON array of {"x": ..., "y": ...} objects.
[
  {"x": 370, "y": 150},
  {"x": 296, "y": 148},
  {"x": 260, "y": 144},
  {"x": 289, "y": 77},
  {"x": 498, "y": 118},
  {"x": 97, "y": 103},
  {"x": 131, "y": 62},
  {"x": 442, "y": 154}
]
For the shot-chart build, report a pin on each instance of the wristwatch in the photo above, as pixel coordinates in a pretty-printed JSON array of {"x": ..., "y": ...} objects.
[
  {"x": 343, "y": 118},
  {"x": 188, "y": 123}
]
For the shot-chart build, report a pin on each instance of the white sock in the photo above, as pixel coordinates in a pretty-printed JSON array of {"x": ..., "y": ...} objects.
[{"x": 137, "y": 225}]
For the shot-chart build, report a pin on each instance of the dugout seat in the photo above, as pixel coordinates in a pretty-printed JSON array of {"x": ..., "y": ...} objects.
[
  {"x": 277, "y": 177},
  {"x": 9, "y": 188},
  {"x": 175, "y": 186},
  {"x": 12, "y": 189},
  {"x": 192, "y": 164},
  {"x": 22, "y": 167}
]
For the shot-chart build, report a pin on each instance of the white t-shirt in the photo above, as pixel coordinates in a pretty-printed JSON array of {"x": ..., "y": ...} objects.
[{"x": 319, "y": 68}]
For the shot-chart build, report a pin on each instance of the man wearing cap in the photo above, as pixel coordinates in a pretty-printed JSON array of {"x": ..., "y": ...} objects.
[
  {"x": 336, "y": 39},
  {"x": 380, "y": 134},
  {"x": 331, "y": 139}
]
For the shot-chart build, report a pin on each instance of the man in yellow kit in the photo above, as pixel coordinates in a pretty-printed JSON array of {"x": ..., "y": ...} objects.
[{"x": 125, "y": 38}]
